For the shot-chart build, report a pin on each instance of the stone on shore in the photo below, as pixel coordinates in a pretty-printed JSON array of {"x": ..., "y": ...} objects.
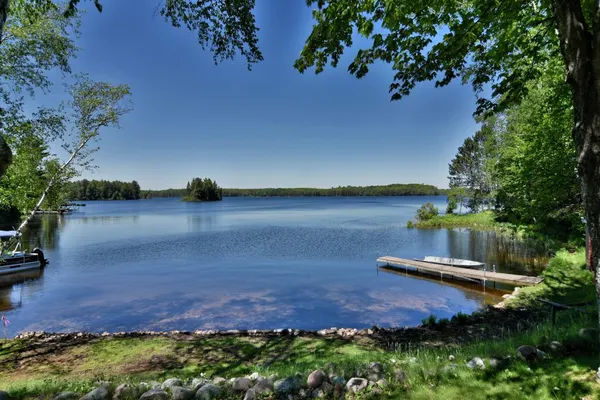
[
  {"x": 476, "y": 363},
  {"x": 155, "y": 394},
  {"x": 241, "y": 384},
  {"x": 208, "y": 392},
  {"x": 197, "y": 383},
  {"x": 263, "y": 386},
  {"x": 356, "y": 385},
  {"x": 126, "y": 391},
  {"x": 100, "y": 393},
  {"x": 181, "y": 393},
  {"x": 316, "y": 379},
  {"x": 171, "y": 382},
  {"x": 60, "y": 396}
]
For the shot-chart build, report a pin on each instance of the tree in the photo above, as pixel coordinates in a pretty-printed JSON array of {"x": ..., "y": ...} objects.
[
  {"x": 452, "y": 203},
  {"x": 535, "y": 162},
  {"x": 34, "y": 38},
  {"x": 468, "y": 169},
  {"x": 94, "y": 106},
  {"x": 203, "y": 190},
  {"x": 426, "y": 212}
]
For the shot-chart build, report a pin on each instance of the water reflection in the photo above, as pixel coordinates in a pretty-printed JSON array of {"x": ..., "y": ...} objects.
[
  {"x": 11, "y": 288},
  {"x": 506, "y": 253},
  {"x": 202, "y": 222},
  {"x": 108, "y": 219}
]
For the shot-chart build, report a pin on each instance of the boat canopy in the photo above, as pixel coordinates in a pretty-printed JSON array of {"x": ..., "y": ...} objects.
[{"x": 7, "y": 234}]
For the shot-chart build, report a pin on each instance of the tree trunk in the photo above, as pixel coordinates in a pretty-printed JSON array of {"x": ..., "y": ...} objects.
[
  {"x": 5, "y": 153},
  {"x": 579, "y": 47}
]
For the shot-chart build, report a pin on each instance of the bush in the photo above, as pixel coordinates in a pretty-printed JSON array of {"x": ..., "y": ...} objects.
[
  {"x": 426, "y": 212},
  {"x": 410, "y": 224}
]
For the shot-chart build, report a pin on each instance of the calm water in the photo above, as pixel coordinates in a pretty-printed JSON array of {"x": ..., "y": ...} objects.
[{"x": 252, "y": 263}]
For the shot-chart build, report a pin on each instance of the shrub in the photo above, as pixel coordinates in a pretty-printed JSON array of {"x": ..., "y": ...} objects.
[
  {"x": 410, "y": 224},
  {"x": 426, "y": 212}
]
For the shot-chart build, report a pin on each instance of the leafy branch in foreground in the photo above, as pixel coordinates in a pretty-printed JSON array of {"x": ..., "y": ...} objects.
[{"x": 94, "y": 105}]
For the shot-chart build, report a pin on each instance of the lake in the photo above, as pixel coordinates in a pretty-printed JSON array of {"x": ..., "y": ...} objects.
[{"x": 244, "y": 263}]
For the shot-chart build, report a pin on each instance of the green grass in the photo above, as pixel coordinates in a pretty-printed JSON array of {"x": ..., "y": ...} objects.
[
  {"x": 565, "y": 281},
  {"x": 482, "y": 220}
]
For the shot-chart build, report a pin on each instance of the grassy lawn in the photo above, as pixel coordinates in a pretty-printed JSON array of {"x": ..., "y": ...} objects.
[{"x": 38, "y": 369}]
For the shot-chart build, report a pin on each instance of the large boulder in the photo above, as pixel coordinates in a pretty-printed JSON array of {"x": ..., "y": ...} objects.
[
  {"x": 356, "y": 385},
  {"x": 263, "y": 386},
  {"x": 208, "y": 392},
  {"x": 60, "y": 396},
  {"x": 250, "y": 395},
  {"x": 100, "y": 393},
  {"x": 197, "y": 383},
  {"x": 316, "y": 379},
  {"x": 530, "y": 353},
  {"x": 126, "y": 391},
  {"x": 241, "y": 384},
  {"x": 476, "y": 363},
  {"x": 288, "y": 385},
  {"x": 155, "y": 394},
  {"x": 375, "y": 372},
  {"x": 181, "y": 393},
  {"x": 171, "y": 382}
]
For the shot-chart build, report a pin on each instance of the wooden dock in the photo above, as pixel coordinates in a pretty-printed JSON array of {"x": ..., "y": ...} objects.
[{"x": 445, "y": 271}]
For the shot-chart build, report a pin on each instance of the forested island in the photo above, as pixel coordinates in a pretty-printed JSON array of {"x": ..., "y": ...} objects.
[
  {"x": 203, "y": 190},
  {"x": 408, "y": 189}
]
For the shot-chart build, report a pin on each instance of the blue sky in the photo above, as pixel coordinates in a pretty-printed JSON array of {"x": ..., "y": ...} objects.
[{"x": 271, "y": 127}]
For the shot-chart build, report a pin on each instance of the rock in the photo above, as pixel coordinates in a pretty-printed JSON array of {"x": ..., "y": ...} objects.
[
  {"x": 527, "y": 352},
  {"x": 325, "y": 391},
  {"x": 127, "y": 392},
  {"x": 507, "y": 296},
  {"x": 304, "y": 394},
  {"x": 356, "y": 385},
  {"x": 197, "y": 383},
  {"x": 217, "y": 380},
  {"x": 155, "y": 394},
  {"x": 241, "y": 384},
  {"x": 400, "y": 376},
  {"x": 263, "y": 386},
  {"x": 60, "y": 396},
  {"x": 451, "y": 358},
  {"x": 447, "y": 369},
  {"x": 208, "y": 392},
  {"x": 181, "y": 393},
  {"x": 494, "y": 363},
  {"x": 287, "y": 385},
  {"x": 250, "y": 395},
  {"x": 555, "y": 348},
  {"x": 272, "y": 378},
  {"x": 375, "y": 371},
  {"x": 100, "y": 393},
  {"x": 476, "y": 363},
  {"x": 155, "y": 385},
  {"x": 589, "y": 334},
  {"x": 598, "y": 375},
  {"x": 316, "y": 379},
  {"x": 255, "y": 376},
  {"x": 171, "y": 382}
]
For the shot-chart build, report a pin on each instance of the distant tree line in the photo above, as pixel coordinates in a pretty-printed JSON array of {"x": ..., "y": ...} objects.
[
  {"x": 203, "y": 190},
  {"x": 410, "y": 189},
  {"x": 102, "y": 190}
]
